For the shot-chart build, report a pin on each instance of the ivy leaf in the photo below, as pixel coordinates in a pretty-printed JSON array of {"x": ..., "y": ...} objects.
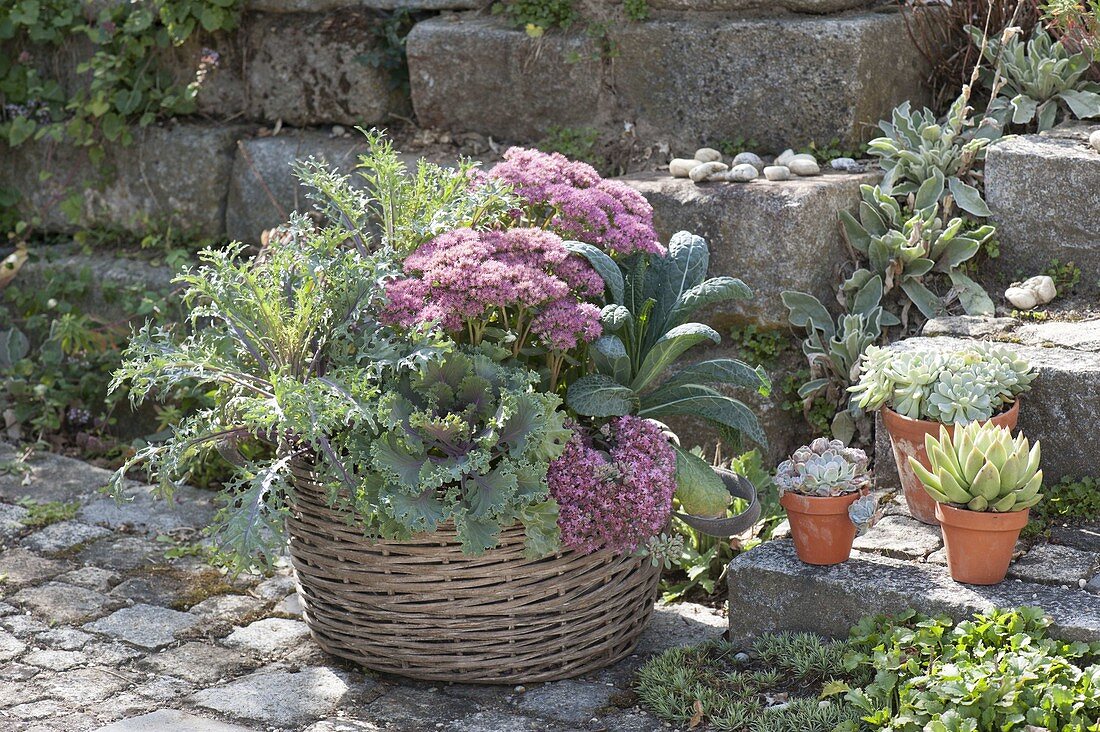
[{"x": 597, "y": 395}]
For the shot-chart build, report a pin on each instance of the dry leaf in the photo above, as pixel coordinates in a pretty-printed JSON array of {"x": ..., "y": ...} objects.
[
  {"x": 697, "y": 718},
  {"x": 10, "y": 266}
]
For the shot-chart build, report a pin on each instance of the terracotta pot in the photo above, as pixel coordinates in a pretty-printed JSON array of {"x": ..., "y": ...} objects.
[
  {"x": 907, "y": 439},
  {"x": 822, "y": 531},
  {"x": 979, "y": 544}
]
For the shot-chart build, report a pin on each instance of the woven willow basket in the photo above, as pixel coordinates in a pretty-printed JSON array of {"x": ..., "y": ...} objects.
[{"x": 425, "y": 610}]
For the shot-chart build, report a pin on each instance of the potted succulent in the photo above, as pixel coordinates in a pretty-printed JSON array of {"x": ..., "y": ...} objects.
[
  {"x": 984, "y": 483},
  {"x": 389, "y": 377},
  {"x": 824, "y": 487},
  {"x": 920, "y": 390}
]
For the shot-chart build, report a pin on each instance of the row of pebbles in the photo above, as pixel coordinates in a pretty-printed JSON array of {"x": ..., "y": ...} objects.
[{"x": 707, "y": 166}]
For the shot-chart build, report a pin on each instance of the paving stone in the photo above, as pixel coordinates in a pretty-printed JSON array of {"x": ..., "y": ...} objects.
[
  {"x": 147, "y": 626},
  {"x": 1059, "y": 402},
  {"x": 269, "y": 636},
  {"x": 900, "y": 537},
  {"x": 1058, "y": 166},
  {"x": 343, "y": 725},
  {"x": 11, "y": 521},
  {"x": 164, "y": 688},
  {"x": 6, "y": 609},
  {"x": 199, "y": 663},
  {"x": 491, "y": 720},
  {"x": 52, "y": 477},
  {"x": 1085, "y": 537},
  {"x": 412, "y": 707},
  {"x": 568, "y": 701},
  {"x": 290, "y": 605},
  {"x": 34, "y": 710},
  {"x": 69, "y": 722},
  {"x": 276, "y": 588},
  {"x": 56, "y": 660},
  {"x": 770, "y": 589},
  {"x": 19, "y": 691},
  {"x": 734, "y": 6},
  {"x": 93, "y": 578},
  {"x": 227, "y": 608},
  {"x": 58, "y": 602},
  {"x": 10, "y": 646},
  {"x": 63, "y": 535},
  {"x": 64, "y": 639},
  {"x": 122, "y": 554},
  {"x": 111, "y": 653},
  {"x": 189, "y": 508},
  {"x": 171, "y": 720},
  {"x": 1093, "y": 585},
  {"x": 318, "y": 6},
  {"x": 278, "y": 697},
  {"x": 19, "y": 567},
  {"x": 84, "y": 685},
  {"x": 839, "y": 76},
  {"x": 24, "y": 625},
  {"x": 1050, "y": 564}
]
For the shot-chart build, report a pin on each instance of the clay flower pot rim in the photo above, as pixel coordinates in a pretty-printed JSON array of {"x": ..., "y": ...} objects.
[
  {"x": 982, "y": 520},
  {"x": 818, "y": 505},
  {"x": 1014, "y": 407}
]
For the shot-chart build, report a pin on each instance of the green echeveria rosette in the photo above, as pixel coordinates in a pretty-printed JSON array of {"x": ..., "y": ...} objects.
[{"x": 981, "y": 468}]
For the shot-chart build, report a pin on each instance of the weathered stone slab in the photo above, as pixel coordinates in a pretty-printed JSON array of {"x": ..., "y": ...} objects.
[
  {"x": 1044, "y": 191},
  {"x": 10, "y": 646},
  {"x": 901, "y": 538},
  {"x": 313, "y": 69},
  {"x": 774, "y": 236},
  {"x": 1050, "y": 564},
  {"x": 263, "y": 189},
  {"x": 56, "y": 660},
  {"x": 62, "y": 536},
  {"x": 147, "y": 626},
  {"x": 794, "y": 6},
  {"x": 1085, "y": 537},
  {"x": 567, "y": 701},
  {"x": 11, "y": 522},
  {"x": 53, "y": 478},
  {"x": 171, "y": 720},
  {"x": 268, "y": 636},
  {"x": 93, "y": 578},
  {"x": 1062, "y": 397},
  {"x": 84, "y": 685},
  {"x": 61, "y": 603},
  {"x": 199, "y": 663},
  {"x": 141, "y": 510},
  {"x": 320, "y": 6},
  {"x": 19, "y": 567},
  {"x": 770, "y": 590},
  {"x": 277, "y": 697},
  {"x": 672, "y": 78},
  {"x": 171, "y": 175},
  {"x": 122, "y": 554}
]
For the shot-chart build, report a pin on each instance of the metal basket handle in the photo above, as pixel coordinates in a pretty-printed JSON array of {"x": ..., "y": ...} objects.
[{"x": 739, "y": 487}]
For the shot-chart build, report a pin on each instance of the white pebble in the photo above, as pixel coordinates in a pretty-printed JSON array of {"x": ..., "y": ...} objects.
[
  {"x": 520, "y": 689},
  {"x": 338, "y": 131},
  {"x": 1081, "y": 583},
  {"x": 704, "y": 171},
  {"x": 748, "y": 158},
  {"x": 801, "y": 166},
  {"x": 708, "y": 155},
  {"x": 1021, "y": 299},
  {"x": 681, "y": 167},
  {"x": 1094, "y": 140},
  {"x": 743, "y": 173},
  {"x": 1032, "y": 292},
  {"x": 777, "y": 172},
  {"x": 784, "y": 157},
  {"x": 801, "y": 156}
]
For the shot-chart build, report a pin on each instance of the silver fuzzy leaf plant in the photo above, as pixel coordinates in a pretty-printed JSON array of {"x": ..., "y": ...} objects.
[
  {"x": 904, "y": 248},
  {"x": 916, "y": 145},
  {"x": 1036, "y": 83},
  {"x": 833, "y": 350}
]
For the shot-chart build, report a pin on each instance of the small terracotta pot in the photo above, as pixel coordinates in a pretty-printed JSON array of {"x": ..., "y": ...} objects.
[
  {"x": 822, "y": 531},
  {"x": 979, "y": 544},
  {"x": 907, "y": 439}
]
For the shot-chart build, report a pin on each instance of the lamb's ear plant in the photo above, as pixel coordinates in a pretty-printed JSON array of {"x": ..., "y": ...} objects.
[
  {"x": 833, "y": 349},
  {"x": 647, "y": 328},
  {"x": 1037, "y": 82},
  {"x": 904, "y": 247}
]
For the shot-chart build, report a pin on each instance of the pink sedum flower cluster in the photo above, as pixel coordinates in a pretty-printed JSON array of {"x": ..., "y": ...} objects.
[
  {"x": 466, "y": 275},
  {"x": 587, "y": 208},
  {"x": 614, "y": 500}
]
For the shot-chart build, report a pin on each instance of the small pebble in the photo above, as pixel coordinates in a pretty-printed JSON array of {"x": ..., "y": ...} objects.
[
  {"x": 801, "y": 156},
  {"x": 801, "y": 166},
  {"x": 1081, "y": 583},
  {"x": 704, "y": 171},
  {"x": 681, "y": 167},
  {"x": 784, "y": 157},
  {"x": 338, "y": 131},
  {"x": 1094, "y": 140},
  {"x": 843, "y": 164},
  {"x": 708, "y": 155},
  {"x": 777, "y": 172},
  {"x": 743, "y": 173},
  {"x": 520, "y": 689},
  {"x": 741, "y": 657},
  {"x": 1032, "y": 292},
  {"x": 748, "y": 158}
]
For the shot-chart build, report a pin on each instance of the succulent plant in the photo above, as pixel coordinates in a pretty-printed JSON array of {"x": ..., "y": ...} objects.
[
  {"x": 1038, "y": 82},
  {"x": 903, "y": 248},
  {"x": 916, "y": 146},
  {"x": 824, "y": 468},
  {"x": 964, "y": 386},
  {"x": 864, "y": 512},
  {"x": 982, "y": 468}
]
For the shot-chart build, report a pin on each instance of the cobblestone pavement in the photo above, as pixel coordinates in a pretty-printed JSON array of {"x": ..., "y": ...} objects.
[{"x": 99, "y": 630}]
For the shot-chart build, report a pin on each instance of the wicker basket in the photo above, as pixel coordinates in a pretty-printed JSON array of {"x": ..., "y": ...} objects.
[{"x": 425, "y": 610}]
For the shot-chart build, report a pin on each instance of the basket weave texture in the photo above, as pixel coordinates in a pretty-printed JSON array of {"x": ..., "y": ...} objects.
[{"x": 424, "y": 610}]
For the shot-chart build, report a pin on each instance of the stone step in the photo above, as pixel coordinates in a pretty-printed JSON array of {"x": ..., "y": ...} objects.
[
  {"x": 771, "y": 590},
  {"x": 1044, "y": 191},
  {"x": 782, "y": 81},
  {"x": 1060, "y": 409},
  {"x": 774, "y": 235}
]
